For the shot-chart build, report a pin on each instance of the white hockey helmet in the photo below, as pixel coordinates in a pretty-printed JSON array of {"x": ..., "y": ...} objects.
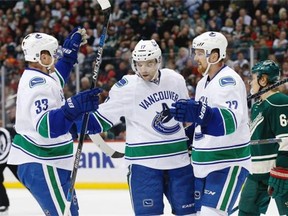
[
  {"x": 146, "y": 50},
  {"x": 209, "y": 41},
  {"x": 34, "y": 43}
]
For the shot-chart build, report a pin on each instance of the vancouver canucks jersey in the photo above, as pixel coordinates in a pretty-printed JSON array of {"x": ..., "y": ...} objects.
[
  {"x": 37, "y": 94},
  {"x": 153, "y": 137},
  {"x": 226, "y": 91},
  {"x": 269, "y": 120}
]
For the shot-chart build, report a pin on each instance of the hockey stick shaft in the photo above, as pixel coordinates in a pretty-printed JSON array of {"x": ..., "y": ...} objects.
[
  {"x": 265, "y": 141},
  {"x": 250, "y": 97},
  {"x": 106, "y": 8}
]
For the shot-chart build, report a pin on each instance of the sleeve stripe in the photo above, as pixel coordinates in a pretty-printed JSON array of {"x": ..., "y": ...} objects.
[
  {"x": 62, "y": 82},
  {"x": 105, "y": 123},
  {"x": 229, "y": 120},
  {"x": 43, "y": 126}
]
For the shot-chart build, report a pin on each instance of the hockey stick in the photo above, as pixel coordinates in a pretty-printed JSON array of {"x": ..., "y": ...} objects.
[
  {"x": 250, "y": 97},
  {"x": 97, "y": 139},
  {"x": 265, "y": 141},
  {"x": 106, "y": 8}
]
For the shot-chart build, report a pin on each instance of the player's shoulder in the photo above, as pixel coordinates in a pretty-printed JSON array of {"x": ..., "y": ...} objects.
[
  {"x": 167, "y": 73},
  {"x": 34, "y": 78},
  {"x": 126, "y": 81},
  {"x": 228, "y": 76},
  {"x": 278, "y": 99}
]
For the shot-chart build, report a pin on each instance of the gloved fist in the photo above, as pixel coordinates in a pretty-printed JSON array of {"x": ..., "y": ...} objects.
[
  {"x": 191, "y": 111},
  {"x": 77, "y": 105},
  {"x": 72, "y": 44},
  {"x": 278, "y": 182}
]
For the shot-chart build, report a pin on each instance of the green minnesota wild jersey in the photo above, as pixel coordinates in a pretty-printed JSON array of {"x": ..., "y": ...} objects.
[{"x": 269, "y": 120}]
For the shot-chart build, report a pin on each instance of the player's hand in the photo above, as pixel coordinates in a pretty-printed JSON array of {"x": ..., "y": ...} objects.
[
  {"x": 191, "y": 111},
  {"x": 77, "y": 105},
  {"x": 278, "y": 182},
  {"x": 72, "y": 44}
]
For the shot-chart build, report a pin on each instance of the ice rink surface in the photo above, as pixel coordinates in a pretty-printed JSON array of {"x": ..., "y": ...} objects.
[{"x": 91, "y": 202}]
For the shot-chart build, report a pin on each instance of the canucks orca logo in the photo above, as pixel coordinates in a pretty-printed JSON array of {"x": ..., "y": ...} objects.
[
  {"x": 35, "y": 81},
  {"x": 161, "y": 119},
  {"x": 224, "y": 81}
]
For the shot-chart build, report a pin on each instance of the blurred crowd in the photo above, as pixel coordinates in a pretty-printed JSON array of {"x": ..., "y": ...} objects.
[{"x": 260, "y": 24}]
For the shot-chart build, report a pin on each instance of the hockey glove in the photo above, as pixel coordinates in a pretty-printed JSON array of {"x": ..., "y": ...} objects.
[
  {"x": 77, "y": 105},
  {"x": 72, "y": 44},
  {"x": 278, "y": 182},
  {"x": 191, "y": 111}
]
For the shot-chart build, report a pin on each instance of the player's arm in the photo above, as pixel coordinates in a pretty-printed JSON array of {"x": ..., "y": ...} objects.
[
  {"x": 70, "y": 51},
  {"x": 57, "y": 122},
  {"x": 215, "y": 121},
  {"x": 278, "y": 181},
  {"x": 109, "y": 113}
]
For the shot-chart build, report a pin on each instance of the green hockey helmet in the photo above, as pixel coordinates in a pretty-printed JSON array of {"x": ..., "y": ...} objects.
[{"x": 268, "y": 67}]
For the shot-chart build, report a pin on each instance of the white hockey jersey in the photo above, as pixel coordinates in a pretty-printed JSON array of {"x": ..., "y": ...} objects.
[
  {"x": 153, "y": 137},
  {"x": 226, "y": 90},
  {"x": 37, "y": 94}
]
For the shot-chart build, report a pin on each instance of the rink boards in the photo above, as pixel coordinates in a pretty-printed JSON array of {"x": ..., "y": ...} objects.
[{"x": 96, "y": 170}]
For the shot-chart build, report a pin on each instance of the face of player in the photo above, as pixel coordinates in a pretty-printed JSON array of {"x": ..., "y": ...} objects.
[
  {"x": 201, "y": 60},
  {"x": 147, "y": 69},
  {"x": 46, "y": 58},
  {"x": 255, "y": 87}
]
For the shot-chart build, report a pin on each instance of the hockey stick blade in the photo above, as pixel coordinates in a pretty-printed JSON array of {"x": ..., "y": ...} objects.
[
  {"x": 97, "y": 139},
  {"x": 104, "y": 4},
  {"x": 258, "y": 94}
]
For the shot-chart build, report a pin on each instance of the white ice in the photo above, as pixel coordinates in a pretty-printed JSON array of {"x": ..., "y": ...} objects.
[{"x": 91, "y": 202}]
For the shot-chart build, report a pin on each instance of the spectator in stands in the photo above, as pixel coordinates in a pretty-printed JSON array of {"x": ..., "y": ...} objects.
[
  {"x": 85, "y": 83},
  {"x": 280, "y": 46},
  {"x": 246, "y": 19},
  {"x": 87, "y": 65},
  {"x": 181, "y": 59},
  {"x": 186, "y": 20},
  {"x": 241, "y": 60},
  {"x": 283, "y": 22},
  {"x": 262, "y": 49},
  {"x": 228, "y": 26}
]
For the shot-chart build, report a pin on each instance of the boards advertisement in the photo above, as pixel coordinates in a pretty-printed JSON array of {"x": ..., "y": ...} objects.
[{"x": 96, "y": 169}]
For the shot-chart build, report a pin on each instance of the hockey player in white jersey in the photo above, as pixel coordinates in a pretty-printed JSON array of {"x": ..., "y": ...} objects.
[
  {"x": 43, "y": 146},
  {"x": 156, "y": 148},
  {"x": 220, "y": 153}
]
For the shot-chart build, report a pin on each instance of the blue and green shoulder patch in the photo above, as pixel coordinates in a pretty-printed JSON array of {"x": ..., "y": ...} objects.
[
  {"x": 35, "y": 81},
  {"x": 122, "y": 82},
  {"x": 225, "y": 81}
]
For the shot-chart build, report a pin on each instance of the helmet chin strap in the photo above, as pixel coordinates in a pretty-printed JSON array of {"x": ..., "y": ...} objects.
[
  {"x": 155, "y": 76},
  {"x": 209, "y": 65}
]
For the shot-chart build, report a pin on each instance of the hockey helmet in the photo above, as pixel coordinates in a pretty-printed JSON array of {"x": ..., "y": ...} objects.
[
  {"x": 268, "y": 67},
  {"x": 34, "y": 43},
  {"x": 209, "y": 41},
  {"x": 146, "y": 50}
]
